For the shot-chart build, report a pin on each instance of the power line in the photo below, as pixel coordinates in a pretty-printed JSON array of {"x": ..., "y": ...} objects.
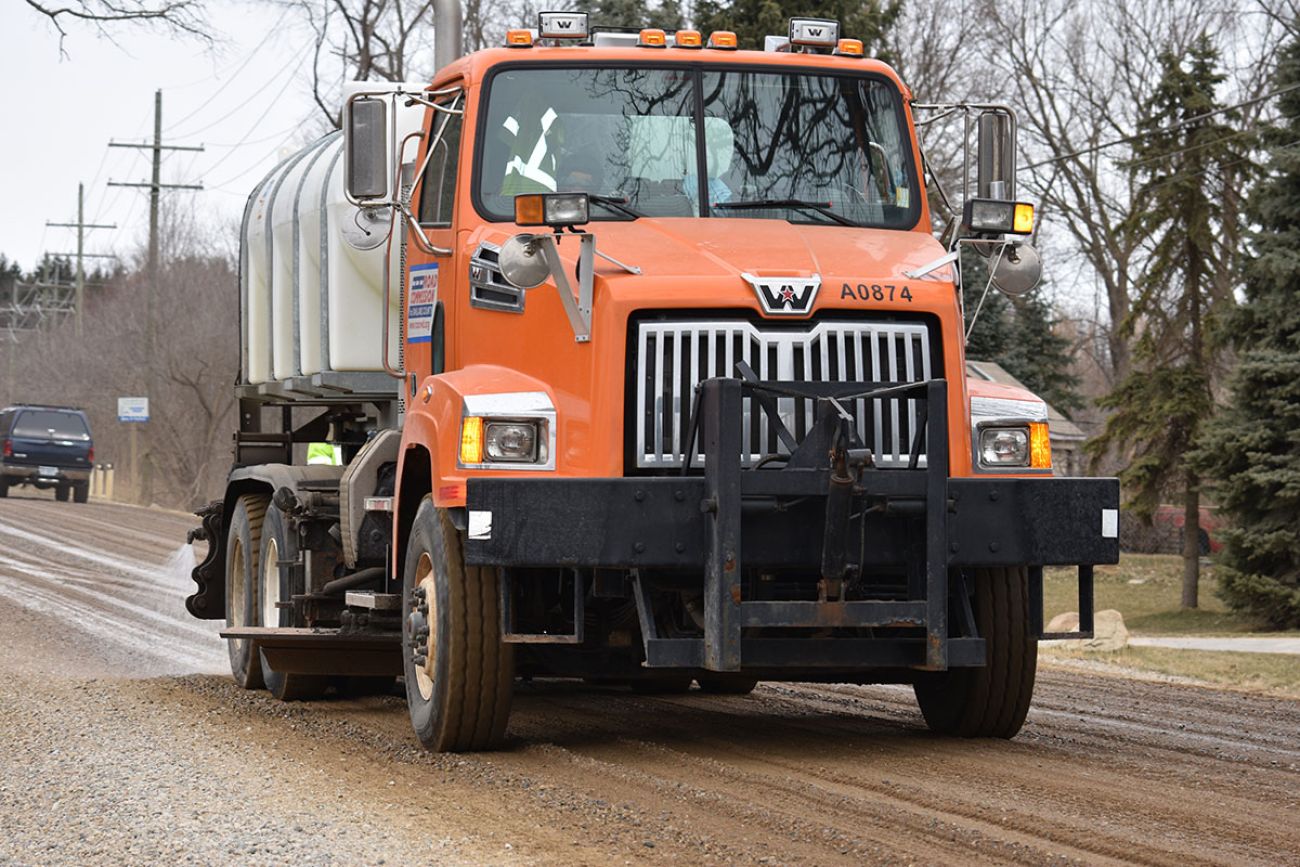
[
  {"x": 271, "y": 31},
  {"x": 293, "y": 56},
  {"x": 81, "y": 226},
  {"x": 1171, "y": 128},
  {"x": 144, "y": 474}
]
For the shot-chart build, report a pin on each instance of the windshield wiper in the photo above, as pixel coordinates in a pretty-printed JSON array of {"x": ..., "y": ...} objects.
[
  {"x": 615, "y": 203},
  {"x": 823, "y": 208}
]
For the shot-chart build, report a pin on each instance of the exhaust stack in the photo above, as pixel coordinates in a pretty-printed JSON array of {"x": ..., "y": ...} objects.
[{"x": 446, "y": 32}]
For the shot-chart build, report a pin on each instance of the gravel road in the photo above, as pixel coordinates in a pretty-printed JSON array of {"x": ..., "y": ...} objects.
[{"x": 124, "y": 742}]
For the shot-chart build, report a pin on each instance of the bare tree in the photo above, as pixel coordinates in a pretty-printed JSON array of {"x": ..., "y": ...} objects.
[
  {"x": 365, "y": 40},
  {"x": 195, "y": 359},
  {"x": 178, "y": 16},
  {"x": 1082, "y": 76}
]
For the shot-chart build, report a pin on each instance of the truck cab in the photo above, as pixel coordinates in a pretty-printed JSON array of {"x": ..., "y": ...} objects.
[{"x": 669, "y": 388}]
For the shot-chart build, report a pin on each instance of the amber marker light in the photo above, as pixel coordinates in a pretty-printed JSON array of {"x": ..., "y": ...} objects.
[
  {"x": 530, "y": 210},
  {"x": 849, "y": 48},
  {"x": 1040, "y": 446},
  {"x": 688, "y": 39},
  {"x": 471, "y": 440},
  {"x": 652, "y": 37},
  {"x": 519, "y": 38},
  {"x": 723, "y": 39},
  {"x": 1023, "y": 222}
]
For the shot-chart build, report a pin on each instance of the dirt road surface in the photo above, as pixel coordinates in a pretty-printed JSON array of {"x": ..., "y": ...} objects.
[{"x": 122, "y": 740}]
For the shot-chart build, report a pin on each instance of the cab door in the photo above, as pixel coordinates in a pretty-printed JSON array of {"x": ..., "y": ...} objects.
[{"x": 434, "y": 273}]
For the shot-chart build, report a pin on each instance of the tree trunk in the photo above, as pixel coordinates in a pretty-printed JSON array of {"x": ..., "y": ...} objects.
[{"x": 1191, "y": 540}]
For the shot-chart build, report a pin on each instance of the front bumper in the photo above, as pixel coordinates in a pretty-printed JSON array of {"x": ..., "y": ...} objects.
[
  {"x": 658, "y": 523},
  {"x": 825, "y": 516}
]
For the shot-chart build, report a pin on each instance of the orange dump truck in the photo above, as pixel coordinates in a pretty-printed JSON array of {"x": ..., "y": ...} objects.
[{"x": 631, "y": 356}]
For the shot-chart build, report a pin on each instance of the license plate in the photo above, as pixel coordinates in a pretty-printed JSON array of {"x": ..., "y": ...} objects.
[{"x": 49, "y": 472}]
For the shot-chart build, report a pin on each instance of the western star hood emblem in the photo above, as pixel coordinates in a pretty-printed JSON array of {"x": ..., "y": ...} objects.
[{"x": 785, "y": 296}]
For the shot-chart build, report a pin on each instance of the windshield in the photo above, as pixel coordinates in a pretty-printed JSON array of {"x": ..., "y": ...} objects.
[
  {"x": 51, "y": 423},
  {"x": 797, "y": 145}
]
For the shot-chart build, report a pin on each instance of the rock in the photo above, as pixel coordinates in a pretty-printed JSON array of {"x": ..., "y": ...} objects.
[{"x": 1108, "y": 630}]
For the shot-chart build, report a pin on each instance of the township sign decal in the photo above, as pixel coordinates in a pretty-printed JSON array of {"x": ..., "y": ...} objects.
[{"x": 785, "y": 296}]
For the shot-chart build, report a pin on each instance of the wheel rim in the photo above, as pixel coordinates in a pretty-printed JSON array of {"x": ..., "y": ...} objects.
[
  {"x": 271, "y": 584},
  {"x": 422, "y": 621},
  {"x": 238, "y": 582}
]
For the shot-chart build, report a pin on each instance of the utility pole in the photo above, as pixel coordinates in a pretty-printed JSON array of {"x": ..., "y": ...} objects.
[
  {"x": 81, "y": 226},
  {"x": 155, "y": 187}
]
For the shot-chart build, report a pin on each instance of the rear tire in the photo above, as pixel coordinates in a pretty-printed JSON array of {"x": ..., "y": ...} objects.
[
  {"x": 459, "y": 673},
  {"x": 243, "y": 555},
  {"x": 990, "y": 701},
  {"x": 81, "y": 492},
  {"x": 727, "y": 684},
  {"x": 61, "y": 493},
  {"x": 279, "y": 585},
  {"x": 4, "y": 488}
]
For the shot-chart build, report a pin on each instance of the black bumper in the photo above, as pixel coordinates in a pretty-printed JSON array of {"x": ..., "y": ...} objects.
[
  {"x": 659, "y": 523},
  {"x": 825, "y": 511}
]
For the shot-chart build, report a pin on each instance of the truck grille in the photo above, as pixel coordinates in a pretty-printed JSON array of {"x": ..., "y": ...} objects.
[{"x": 673, "y": 357}]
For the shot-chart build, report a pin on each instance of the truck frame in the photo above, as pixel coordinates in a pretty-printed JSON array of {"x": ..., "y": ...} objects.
[{"x": 703, "y": 446}]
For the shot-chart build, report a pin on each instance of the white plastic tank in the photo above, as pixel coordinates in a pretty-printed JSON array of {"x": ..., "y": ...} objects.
[{"x": 312, "y": 283}]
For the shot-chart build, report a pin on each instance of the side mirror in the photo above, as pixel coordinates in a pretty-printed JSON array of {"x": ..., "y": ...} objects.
[
  {"x": 995, "y": 155},
  {"x": 1018, "y": 270},
  {"x": 365, "y": 150}
]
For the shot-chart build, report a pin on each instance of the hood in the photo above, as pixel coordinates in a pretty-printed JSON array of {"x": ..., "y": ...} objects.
[{"x": 726, "y": 247}]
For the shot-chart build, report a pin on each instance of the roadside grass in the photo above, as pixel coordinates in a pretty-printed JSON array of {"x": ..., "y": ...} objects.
[
  {"x": 1272, "y": 672},
  {"x": 1146, "y": 589}
]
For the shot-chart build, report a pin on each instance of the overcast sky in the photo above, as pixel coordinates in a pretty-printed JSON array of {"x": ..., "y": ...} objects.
[{"x": 245, "y": 100}]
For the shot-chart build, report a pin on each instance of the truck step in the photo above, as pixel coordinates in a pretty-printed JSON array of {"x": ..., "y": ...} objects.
[
  {"x": 297, "y": 650},
  {"x": 373, "y": 600}
]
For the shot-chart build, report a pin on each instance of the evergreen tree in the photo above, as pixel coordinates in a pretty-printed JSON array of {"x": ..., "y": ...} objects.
[
  {"x": 1253, "y": 448},
  {"x": 1182, "y": 297},
  {"x": 666, "y": 15},
  {"x": 1019, "y": 334},
  {"x": 751, "y": 20}
]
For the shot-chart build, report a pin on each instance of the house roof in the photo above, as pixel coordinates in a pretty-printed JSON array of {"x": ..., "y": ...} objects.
[{"x": 1061, "y": 428}]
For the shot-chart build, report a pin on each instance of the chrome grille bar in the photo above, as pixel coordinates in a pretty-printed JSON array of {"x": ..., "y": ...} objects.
[{"x": 674, "y": 357}]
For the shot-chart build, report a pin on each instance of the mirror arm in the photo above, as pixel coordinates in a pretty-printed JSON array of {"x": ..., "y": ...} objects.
[{"x": 578, "y": 309}]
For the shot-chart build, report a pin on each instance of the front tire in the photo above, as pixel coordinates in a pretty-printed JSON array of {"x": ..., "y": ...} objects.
[
  {"x": 990, "y": 701},
  {"x": 243, "y": 554},
  {"x": 280, "y": 585},
  {"x": 459, "y": 673}
]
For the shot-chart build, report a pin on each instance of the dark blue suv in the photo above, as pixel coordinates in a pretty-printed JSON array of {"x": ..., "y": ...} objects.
[{"x": 46, "y": 447}]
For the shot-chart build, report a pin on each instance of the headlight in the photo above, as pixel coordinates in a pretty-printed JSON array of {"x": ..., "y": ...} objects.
[
  {"x": 551, "y": 209},
  {"x": 511, "y": 441},
  {"x": 995, "y": 216},
  {"x": 1004, "y": 446},
  {"x": 507, "y": 431},
  {"x": 494, "y": 441},
  {"x": 1010, "y": 434}
]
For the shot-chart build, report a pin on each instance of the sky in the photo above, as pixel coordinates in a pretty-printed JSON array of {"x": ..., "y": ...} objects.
[{"x": 246, "y": 100}]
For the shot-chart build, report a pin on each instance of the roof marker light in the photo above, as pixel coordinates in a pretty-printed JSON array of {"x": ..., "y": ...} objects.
[
  {"x": 723, "y": 39},
  {"x": 849, "y": 48},
  {"x": 519, "y": 39},
  {"x": 688, "y": 39},
  {"x": 652, "y": 37},
  {"x": 562, "y": 25},
  {"x": 814, "y": 32}
]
